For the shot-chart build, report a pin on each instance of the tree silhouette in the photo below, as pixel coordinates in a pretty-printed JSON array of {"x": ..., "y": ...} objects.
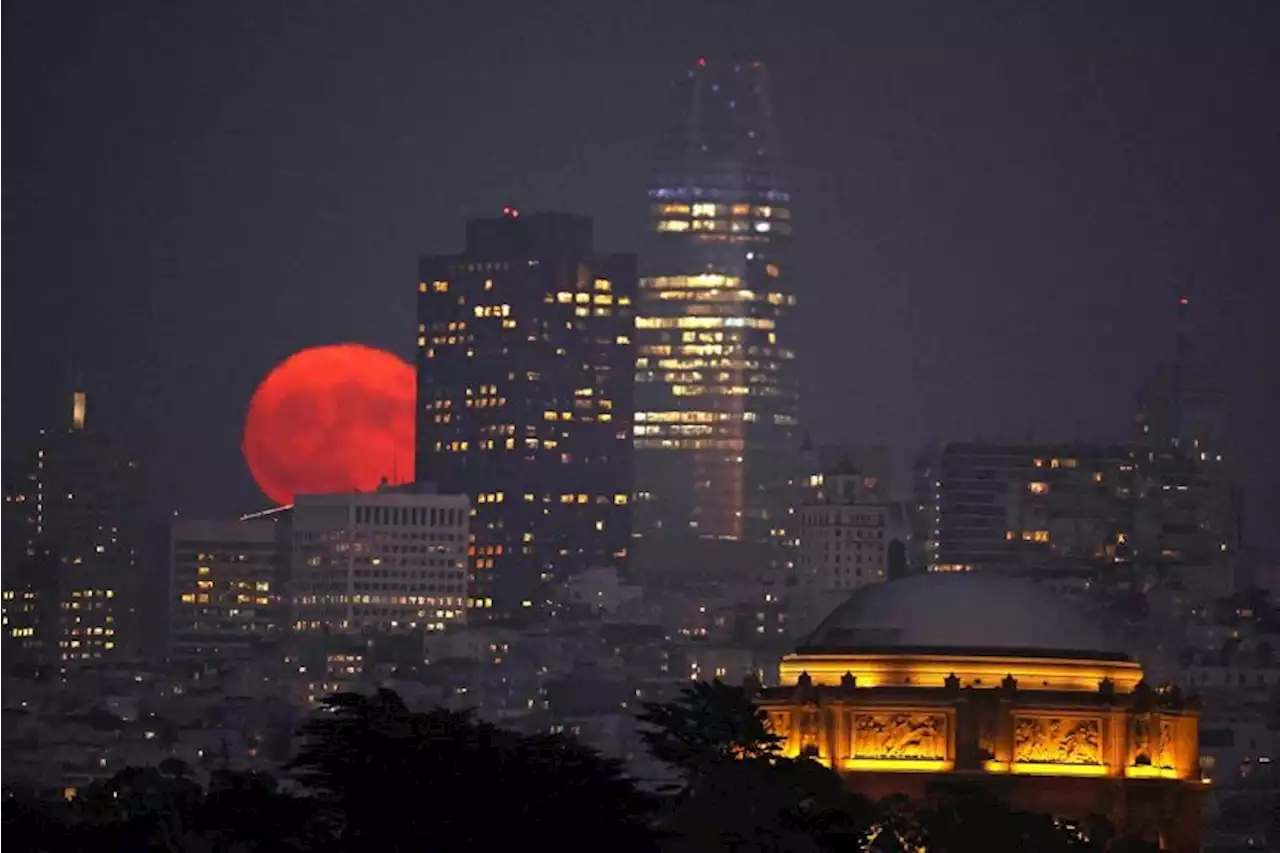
[
  {"x": 710, "y": 723},
  {"x": 30, "y": 825},
  {"x": 139, "y": 808},
  {"x": 245, "y": 811},
  {"x": 391, "y": 779},
  {"x": 962, "y": 816},
  {"x": 740, "y": 794},
  {"x": 895, "y": 828}
]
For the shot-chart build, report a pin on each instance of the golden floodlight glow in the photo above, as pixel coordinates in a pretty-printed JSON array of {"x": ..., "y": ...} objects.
[
  {"x": 78, "y": 410},
  {"x": 889, "y": 670},
  {"x": 898, "y": 765},
  {"x": 1035, "y": 769},
  {"x": 1146, "y": 771}
]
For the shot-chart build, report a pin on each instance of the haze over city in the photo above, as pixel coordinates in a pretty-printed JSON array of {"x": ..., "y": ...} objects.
[
  {"x": 674, "y": 427},
  {"x": 996, "y": 207}
]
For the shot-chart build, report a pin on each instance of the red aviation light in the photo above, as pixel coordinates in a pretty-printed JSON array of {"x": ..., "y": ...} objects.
[
  {"x": 510, "y": 211},
  {"x": 702, "y": 60}
]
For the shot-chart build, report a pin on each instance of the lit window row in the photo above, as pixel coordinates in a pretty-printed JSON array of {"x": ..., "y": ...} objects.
[
  {"x": 675, "y": 429},
  {"x": 566, "y": 297},
  {"x": 712, "y": 364},
  {"x": 1028, "y": 535},
  {"x": 708, "y": 209},
  {"x": 729, "y": 444},
  {"x": 704, "y": 323},
  {"x": 733, "y": 226},
  {"x": 619, "y": 499},
  {"x": 692, "y": 417},
  {"x": 712, "y": 295},
  {"x": 665, "y": 282}
]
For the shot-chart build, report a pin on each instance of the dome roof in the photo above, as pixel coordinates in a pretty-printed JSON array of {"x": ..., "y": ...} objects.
[{"x": 942, "y": 612}]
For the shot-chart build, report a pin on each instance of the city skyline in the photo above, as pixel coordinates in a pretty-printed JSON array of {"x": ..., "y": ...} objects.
[
  {"x": 722, "y": 420},
  {"x": 980, "y": 295}
]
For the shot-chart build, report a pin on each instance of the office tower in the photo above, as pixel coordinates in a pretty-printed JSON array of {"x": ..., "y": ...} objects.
[
  {"x": 525, "y": 380},
  {"x": 845, "y": 533},
  {"x": 717, "y": 420},
  {"x": 1027, "y": 508},
  {"x": 1180, "y": 405},
  {"x": 226, "y": 588},
  {"x": 71, "y": 536},
  {"x": 1188, "y": 514},
  {"x": 384, "y": 562}
]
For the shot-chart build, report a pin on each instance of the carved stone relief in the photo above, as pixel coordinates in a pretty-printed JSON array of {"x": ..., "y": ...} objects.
[
  {"x": 900, "y": 735},
  {"x": 1055, "y": 740},
  {"x": 1154, "y": 742},
  {"x": 1142, "y": 747},
  {"x": 986, "y": 743},
  {"x": 1166, "y": 745},
  {"x": 809, "y": 726}
]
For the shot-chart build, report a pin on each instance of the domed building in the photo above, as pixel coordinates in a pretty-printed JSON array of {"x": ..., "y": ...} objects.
[{"x": 996, "y": 681}]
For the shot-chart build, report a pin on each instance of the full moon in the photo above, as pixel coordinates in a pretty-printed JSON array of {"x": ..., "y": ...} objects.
[{"x": 331, "y": 419}]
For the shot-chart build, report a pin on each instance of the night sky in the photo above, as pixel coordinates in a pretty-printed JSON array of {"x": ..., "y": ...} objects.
[{"x": 996, "y": 204}]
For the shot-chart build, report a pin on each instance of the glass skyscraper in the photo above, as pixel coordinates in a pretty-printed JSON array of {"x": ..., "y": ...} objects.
[
  {"x": 717, "y": 422},
  {"x": 525, "y": 358}
]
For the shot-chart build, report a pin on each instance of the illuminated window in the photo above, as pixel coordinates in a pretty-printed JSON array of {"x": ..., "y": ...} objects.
[
  {"x": 673, "y": 225},
  {"x": 1038, "y": 488},
  {"x": 440, "y": 286}
]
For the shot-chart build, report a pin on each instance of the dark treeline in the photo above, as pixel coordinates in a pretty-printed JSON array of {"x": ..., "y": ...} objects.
[{"x": 372, "y": 774}]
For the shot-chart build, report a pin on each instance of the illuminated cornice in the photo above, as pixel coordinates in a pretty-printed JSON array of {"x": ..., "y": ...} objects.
[{"x": 980, "y": 671}]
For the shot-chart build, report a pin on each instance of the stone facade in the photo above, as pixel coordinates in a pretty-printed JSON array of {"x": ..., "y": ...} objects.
[{"x": 1131, "y": 755}]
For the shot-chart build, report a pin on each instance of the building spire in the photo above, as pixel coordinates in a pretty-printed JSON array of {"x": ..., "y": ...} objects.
[
  {"x": 79, "y": 401},
  {"x": 1180, "y": 347}
]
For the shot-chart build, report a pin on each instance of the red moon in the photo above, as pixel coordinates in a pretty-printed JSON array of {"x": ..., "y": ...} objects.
[{"x": 331, "y": 419}]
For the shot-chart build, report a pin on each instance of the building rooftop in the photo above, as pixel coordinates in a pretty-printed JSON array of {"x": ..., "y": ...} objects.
[{"x": 943, "y": 613}]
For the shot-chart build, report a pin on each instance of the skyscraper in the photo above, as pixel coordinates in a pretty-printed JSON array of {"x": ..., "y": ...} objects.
[
  {"x": 717, "y": 420},
  {"x": 71, "y": 540},
  {"x": 525, "y": 371},
  {"x": 1189, "y": 508}
]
